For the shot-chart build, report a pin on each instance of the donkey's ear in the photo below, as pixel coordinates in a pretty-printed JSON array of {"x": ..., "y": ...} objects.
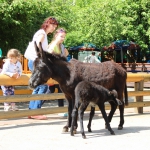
[
  {"x": 41, "y": 50},
  {"x": 37, "y": 50}
]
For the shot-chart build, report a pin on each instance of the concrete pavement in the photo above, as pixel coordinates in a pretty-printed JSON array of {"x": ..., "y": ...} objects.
[{"x": 29, "y": 134}]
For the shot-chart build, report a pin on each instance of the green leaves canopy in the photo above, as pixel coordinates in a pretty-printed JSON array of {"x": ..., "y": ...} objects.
[{"x": 99, "y": 22}]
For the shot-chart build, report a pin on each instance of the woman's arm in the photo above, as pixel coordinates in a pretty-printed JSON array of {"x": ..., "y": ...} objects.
[{"x": 40, "y": 38}]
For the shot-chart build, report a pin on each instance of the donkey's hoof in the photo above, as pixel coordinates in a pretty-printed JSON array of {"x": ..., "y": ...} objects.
[
  {"x": 112, "y": 133},
  {"x": 72, "y": 134},
  {"x": 105, "y": 126},
  {"x": 65, "y": 129},
  {"x": 120, "y": 128},
  {"x": 89, "y": 130},
  {"x": 83, "y": 136},
  {"x": 74, "y": 131}
]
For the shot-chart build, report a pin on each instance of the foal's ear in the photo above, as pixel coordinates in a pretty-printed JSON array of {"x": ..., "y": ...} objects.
[{"x": 38, "y": 52}]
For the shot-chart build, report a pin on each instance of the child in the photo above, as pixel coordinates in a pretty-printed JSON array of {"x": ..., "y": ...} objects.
[
  {"x": 12, "y": 67},
  {"x": 91, "y": 59},
  {"x": 56, "y": 45}
]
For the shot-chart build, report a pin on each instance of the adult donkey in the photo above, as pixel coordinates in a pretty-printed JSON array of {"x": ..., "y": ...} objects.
[{"x": 68, "y": 74}]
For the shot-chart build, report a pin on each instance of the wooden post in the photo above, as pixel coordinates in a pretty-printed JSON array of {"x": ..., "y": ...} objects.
[{"x": 138, "y": 86}]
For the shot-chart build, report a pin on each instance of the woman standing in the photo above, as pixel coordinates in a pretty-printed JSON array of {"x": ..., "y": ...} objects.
[{"x": 48, "y": 27}]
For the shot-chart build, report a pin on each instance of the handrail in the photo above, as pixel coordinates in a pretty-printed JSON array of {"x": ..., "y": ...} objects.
[{"x": 24, "y": 79}]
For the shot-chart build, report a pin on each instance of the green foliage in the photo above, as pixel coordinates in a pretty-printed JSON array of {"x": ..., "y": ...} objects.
[
  {"x": 19, "y": 20},
  {"x": 99, "y": 22}
]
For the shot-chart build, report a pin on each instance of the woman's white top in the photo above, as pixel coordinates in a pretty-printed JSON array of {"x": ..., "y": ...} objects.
[
  {"x": 91, "y": 59},
  {"x": 30, "y": 52},
  {"x": 45, "y": 41}
]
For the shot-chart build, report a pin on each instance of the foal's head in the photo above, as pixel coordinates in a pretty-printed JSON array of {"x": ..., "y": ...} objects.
[{"x": 41, "y": 72}]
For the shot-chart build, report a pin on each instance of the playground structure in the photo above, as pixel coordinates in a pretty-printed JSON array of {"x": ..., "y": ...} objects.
[{"x": 122, "y": 51}]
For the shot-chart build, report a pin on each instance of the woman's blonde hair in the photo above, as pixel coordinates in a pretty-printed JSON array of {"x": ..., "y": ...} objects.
[{"x": 14, "y": 53}]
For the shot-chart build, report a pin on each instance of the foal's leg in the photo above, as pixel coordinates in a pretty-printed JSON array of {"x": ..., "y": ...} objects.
[
  {"x": 90, "y": 118},
  {"x": 112, "y": 111},
  {"x": 74, "y": 116},
  {"x": 101, "y": 107},
  {"x": 81, "y": 113}
]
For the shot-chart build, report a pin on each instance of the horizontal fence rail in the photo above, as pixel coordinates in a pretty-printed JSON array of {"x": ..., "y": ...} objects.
[
  {"x": 24, "y": 95},
  {"x": 24, "y": 79}
]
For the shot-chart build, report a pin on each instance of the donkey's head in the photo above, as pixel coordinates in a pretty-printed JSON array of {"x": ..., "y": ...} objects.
[{"x": 41, "y": 72}]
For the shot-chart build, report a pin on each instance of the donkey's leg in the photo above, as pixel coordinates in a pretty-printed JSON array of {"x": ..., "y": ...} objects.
[
  {"x": 90, "y": 118},
  {"x": 81, "y": 113},
  {"x": 101, "y": 107},
  {"x": 70, "y": 107},
  {"x": 112, "y": 111},
  {"x": 121, "y": 108}
]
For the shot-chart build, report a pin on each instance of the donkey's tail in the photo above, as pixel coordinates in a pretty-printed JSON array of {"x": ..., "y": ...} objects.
[{"x": 126, "y": 94}]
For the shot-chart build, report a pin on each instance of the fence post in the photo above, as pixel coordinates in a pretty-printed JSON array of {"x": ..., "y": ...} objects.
[{"x": 138, "y": 86}]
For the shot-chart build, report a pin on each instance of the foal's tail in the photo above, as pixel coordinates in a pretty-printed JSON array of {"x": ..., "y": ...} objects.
[{"x": 126, "y": 94}]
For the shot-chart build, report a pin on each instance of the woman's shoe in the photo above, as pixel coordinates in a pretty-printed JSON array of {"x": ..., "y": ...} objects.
[{"x": 39, "y": 117}]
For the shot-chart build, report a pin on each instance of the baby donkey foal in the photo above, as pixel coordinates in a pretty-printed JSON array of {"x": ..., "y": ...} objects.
[{"x": 90, "y": 92}]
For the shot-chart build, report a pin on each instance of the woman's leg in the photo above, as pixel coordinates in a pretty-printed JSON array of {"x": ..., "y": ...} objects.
[
  {"x": 35, "y": 104},
  {"x": 41, "y": 89}
]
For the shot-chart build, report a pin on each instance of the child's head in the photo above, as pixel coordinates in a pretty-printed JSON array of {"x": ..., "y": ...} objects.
[
  {"x": 93, "y": 53},
  {"x": 60, "y": 35},
  {"x": 14, "y": 55}
]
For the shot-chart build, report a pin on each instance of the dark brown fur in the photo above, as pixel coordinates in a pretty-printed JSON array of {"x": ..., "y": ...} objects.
[
  {"x": 69, "y": 74},
  {"x": 91, "y": 93}
]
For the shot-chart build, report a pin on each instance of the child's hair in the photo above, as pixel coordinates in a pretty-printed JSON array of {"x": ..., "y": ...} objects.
[
  {"x": 14, "y": 53},
  {"x": 93, "y": 53},
  {"x": 60, "y": 30}
]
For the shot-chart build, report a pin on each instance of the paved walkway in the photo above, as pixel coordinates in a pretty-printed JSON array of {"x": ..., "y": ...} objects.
[{"x": 29, "y": 134}]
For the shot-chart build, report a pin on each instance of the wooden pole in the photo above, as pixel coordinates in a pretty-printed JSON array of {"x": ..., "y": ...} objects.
[{"x": 139, "y": 87}]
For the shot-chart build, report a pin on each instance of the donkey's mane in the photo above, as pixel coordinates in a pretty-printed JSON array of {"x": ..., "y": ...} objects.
[{"x": 54, "y": 56}]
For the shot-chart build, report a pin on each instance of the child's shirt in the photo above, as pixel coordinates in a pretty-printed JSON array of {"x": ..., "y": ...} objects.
[{"x": 11, "y": 68}]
